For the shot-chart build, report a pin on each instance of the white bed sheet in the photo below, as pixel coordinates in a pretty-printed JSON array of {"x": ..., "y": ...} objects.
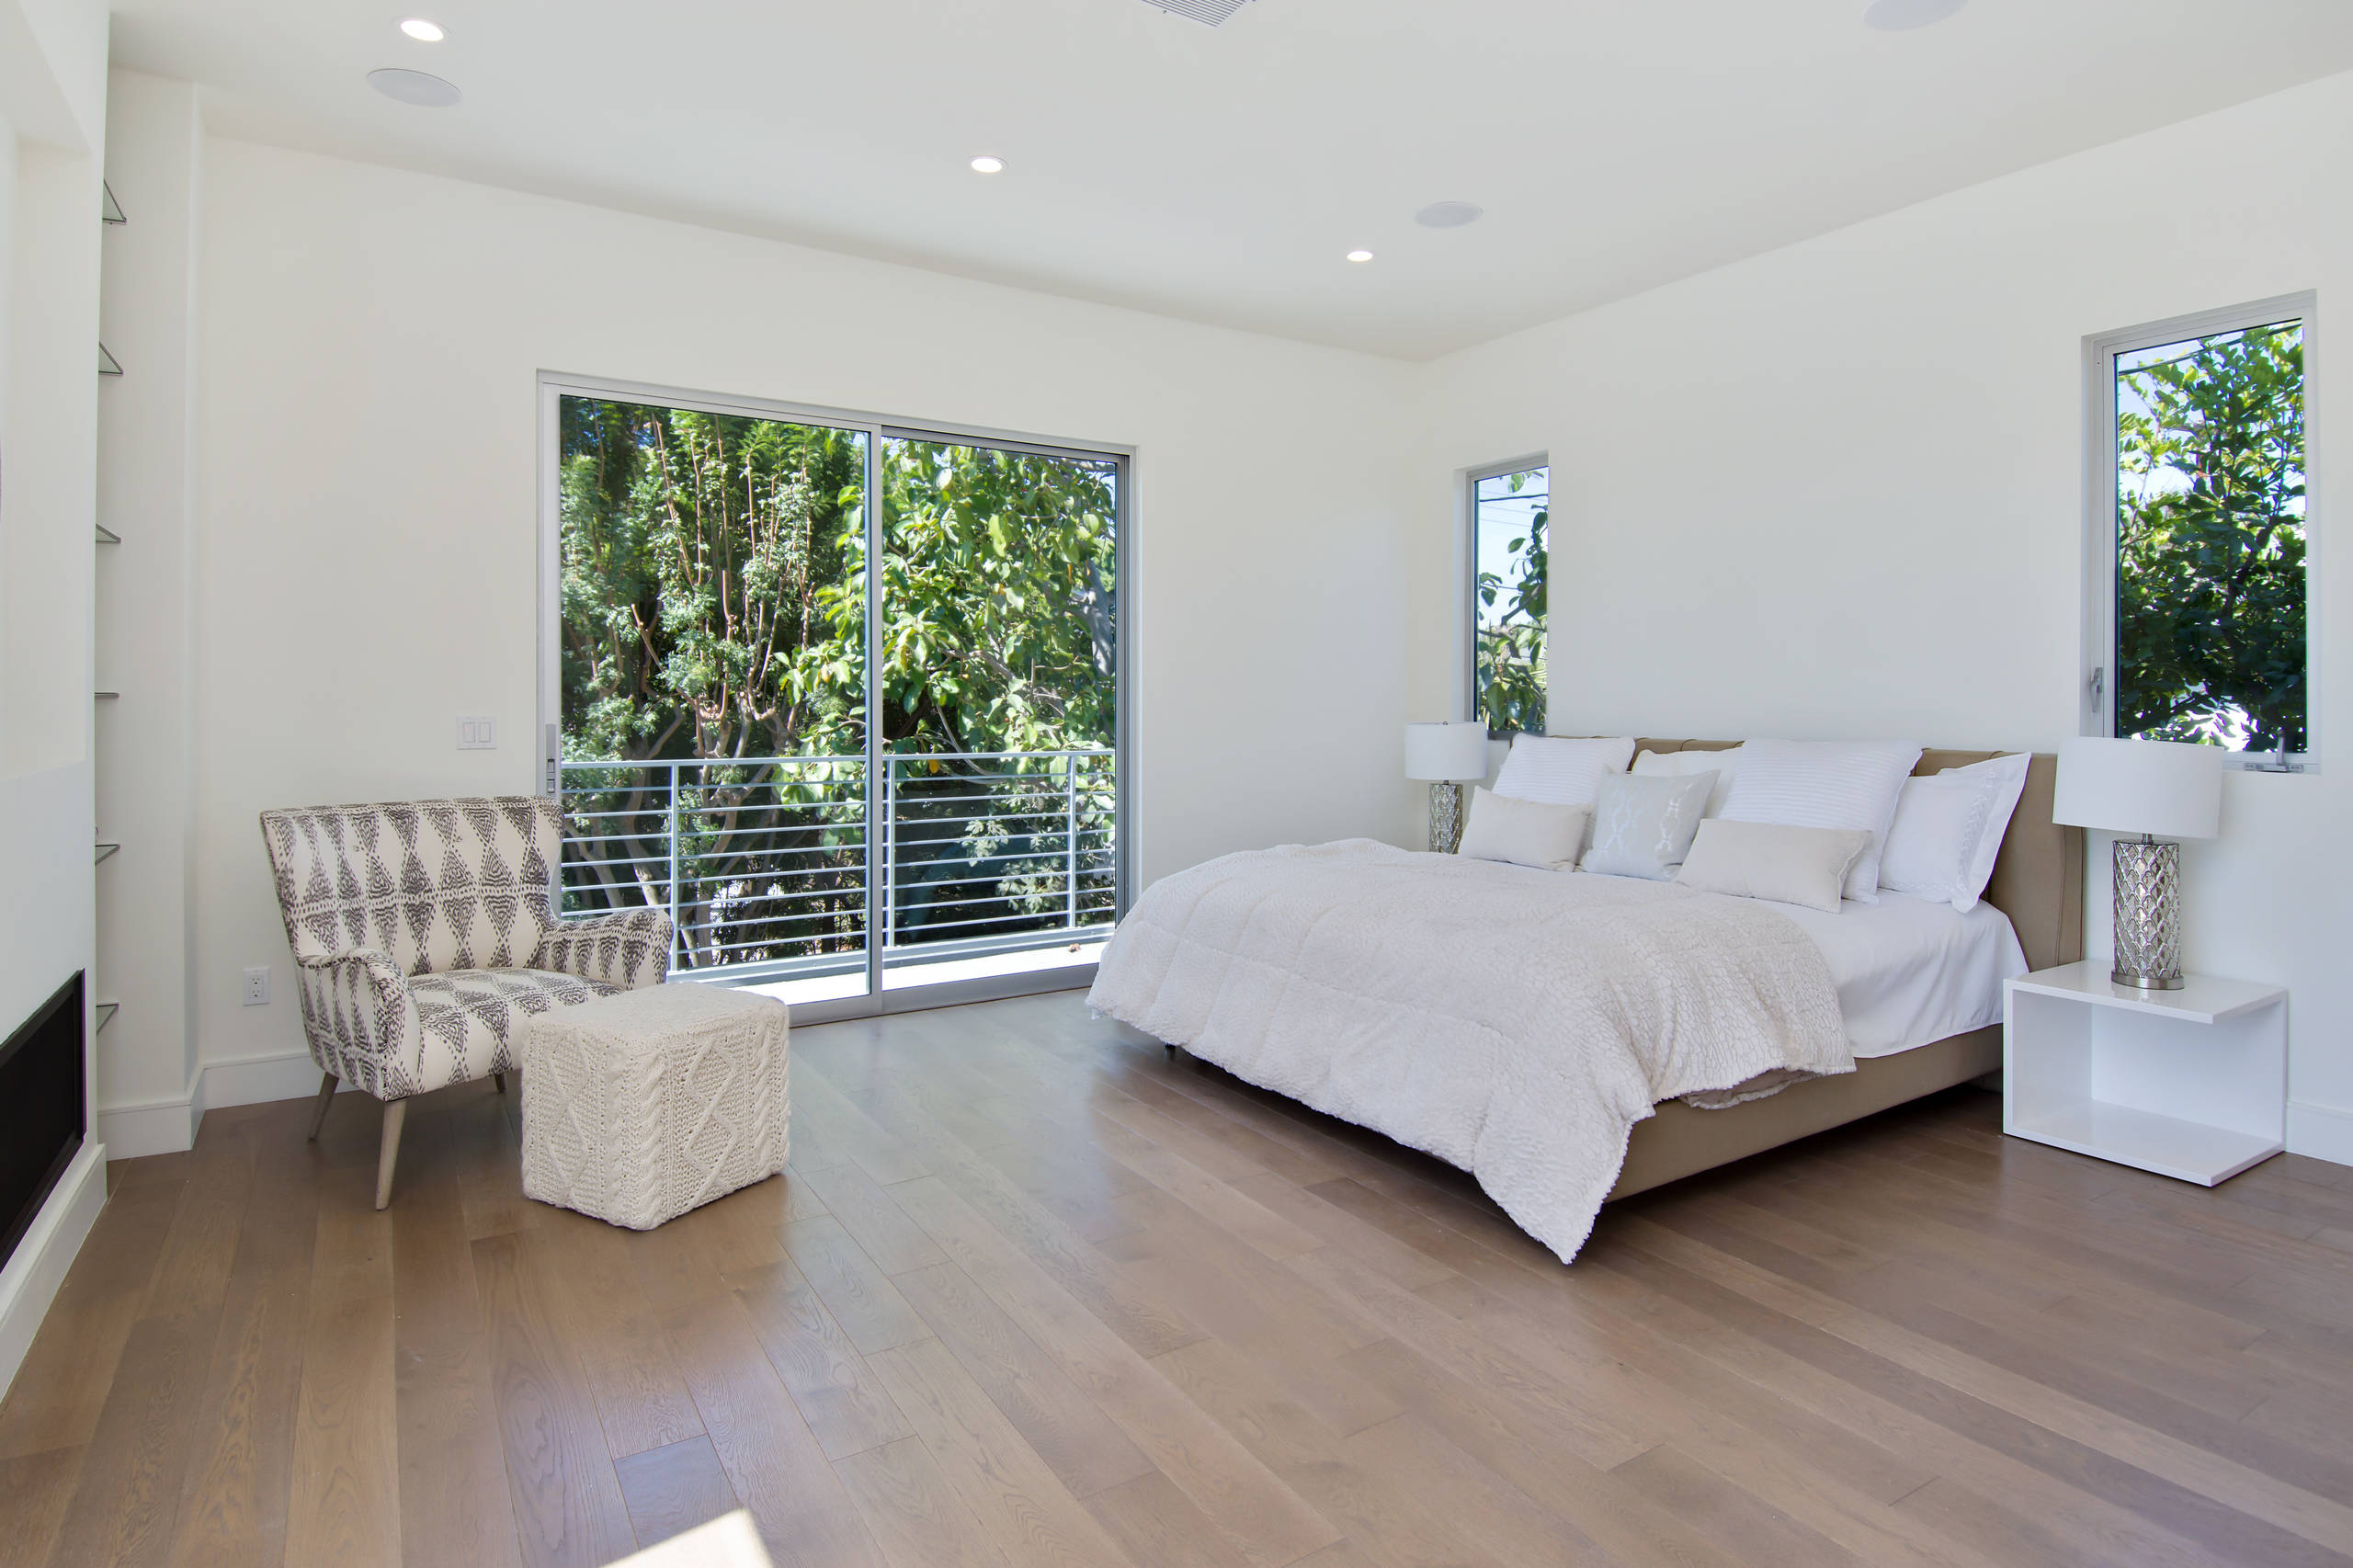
[{"x": 1909, "y": 971}]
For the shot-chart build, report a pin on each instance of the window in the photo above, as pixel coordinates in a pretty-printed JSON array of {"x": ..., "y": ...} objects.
[
  {"x": 2200, "y": 620},
  {"x": 838, "y": 782},
  {"x": 1510, "y": 510}
]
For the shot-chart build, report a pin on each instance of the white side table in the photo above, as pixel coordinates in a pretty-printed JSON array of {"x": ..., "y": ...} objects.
[{"x": 2191, "y": 1083}]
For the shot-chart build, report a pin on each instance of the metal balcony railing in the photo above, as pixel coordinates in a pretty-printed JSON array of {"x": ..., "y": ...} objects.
[{"x": 769, "y": 867}]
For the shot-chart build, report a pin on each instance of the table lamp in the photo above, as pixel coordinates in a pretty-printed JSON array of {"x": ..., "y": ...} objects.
[
  {"x": 2145, "y": 788},
  {"x": 1447, "y": 755}
]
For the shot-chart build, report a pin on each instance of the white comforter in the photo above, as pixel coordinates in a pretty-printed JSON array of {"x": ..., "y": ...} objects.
[{"x": 1515, "y": 1023}]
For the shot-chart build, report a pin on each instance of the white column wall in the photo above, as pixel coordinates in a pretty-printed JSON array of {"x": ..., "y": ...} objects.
[
  {"x": 146, "y": 493},
  {"x": 53, "y": 91}
]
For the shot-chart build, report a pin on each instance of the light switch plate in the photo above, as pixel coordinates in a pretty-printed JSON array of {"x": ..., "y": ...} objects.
[{"x": 478, "y": 733}]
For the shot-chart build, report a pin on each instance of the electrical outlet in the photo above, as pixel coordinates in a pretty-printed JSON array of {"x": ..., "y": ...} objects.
[
  {"x": 257, "y": 986},
  {"x": 479, "y": 733}
]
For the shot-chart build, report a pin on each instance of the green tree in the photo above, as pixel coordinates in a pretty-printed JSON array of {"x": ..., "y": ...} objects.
[
  {"x": 714, "y": 571},
  {"x": 713, "y": 613},
  {"x": 998, "y": 591},
  {"x": 1511, "y": 610},
  {"x": 2211, "y": 578}
]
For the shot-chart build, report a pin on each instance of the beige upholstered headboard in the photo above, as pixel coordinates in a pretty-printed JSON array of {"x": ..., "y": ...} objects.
[{"x": 2038, "y": 877}]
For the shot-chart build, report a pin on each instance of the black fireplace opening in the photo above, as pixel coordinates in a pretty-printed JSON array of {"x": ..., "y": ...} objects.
[{"x": 42, "y": 1110}]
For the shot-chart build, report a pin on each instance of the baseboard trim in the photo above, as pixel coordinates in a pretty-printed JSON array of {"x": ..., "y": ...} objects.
[
  {"x": 38, "y": 1267},
  {"x": 2322, "y": 1131},
  {"x": 166, "y": 1127},
  {"x": 158, "y": 1127},
  {"x": 256, "y": 1080}
]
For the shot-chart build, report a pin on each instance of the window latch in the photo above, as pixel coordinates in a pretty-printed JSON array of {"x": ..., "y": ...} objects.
[{"x": 2099, "y": 683}]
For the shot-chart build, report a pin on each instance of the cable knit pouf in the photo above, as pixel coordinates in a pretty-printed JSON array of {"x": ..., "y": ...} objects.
[{"x": 642, "y": 1106}]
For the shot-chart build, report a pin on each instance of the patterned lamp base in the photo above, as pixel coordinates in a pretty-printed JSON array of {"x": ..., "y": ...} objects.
[
  {"x": 1445, "y": 818},
  {"x": 2148, "y": 914}
]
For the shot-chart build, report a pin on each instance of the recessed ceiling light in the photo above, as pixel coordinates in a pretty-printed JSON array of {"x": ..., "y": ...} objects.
[
  {"x": 1360, "y": 256},
  {"x": 422, "y": 30},
  {"x": 987, "y": 164},
  {"x": 1446, "y": 215},
  {"x": 1903, "y": 16},
  {"x": 418, "y": 87}
]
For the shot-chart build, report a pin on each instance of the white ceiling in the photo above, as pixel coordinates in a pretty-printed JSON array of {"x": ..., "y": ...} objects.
[{"x": 1221, "y": 174}]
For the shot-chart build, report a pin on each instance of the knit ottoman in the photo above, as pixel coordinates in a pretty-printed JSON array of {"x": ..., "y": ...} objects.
[{"x": 640, "y": 1106}]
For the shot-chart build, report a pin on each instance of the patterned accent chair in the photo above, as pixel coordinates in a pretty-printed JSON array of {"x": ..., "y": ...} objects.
[{"x": 425, "y": 931}]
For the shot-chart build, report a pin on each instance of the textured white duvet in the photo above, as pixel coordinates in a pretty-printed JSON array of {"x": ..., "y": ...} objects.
[{"x": 1515, "y": 1023}]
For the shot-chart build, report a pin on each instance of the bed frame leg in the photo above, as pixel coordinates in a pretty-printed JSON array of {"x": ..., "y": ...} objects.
[{"x": 1172, "y": 1052}]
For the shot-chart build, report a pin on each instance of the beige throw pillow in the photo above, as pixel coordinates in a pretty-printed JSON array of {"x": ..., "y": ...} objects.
[
  {"x": 1805, "y": 865},
  {"x": 1524, "y": 833}
]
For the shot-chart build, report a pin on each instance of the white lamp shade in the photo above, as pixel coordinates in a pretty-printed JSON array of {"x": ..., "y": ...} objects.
[
  {"x": 1456, "y": 751},
  {"x": 2167, "y": 788}
]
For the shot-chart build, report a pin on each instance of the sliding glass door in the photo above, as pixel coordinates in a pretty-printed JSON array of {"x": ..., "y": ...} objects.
[
  {"x": 997, "y": 684},
  {"x": 841, "y": 782}
]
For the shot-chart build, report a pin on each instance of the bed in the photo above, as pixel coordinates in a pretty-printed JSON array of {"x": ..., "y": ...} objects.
[
  {"x": 1543, "y": 1030},
  {"x": 2037, "y": 884}
]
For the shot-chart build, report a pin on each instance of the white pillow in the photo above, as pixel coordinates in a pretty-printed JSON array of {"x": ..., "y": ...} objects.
[
  {"x": 1643, "y": 824},
  {"x": 2008, "y": 774},
  {"x": 1932, "y": 844},
  {"x": 1804, "y": 866},
  {"x": 1846, "y": 784},
  {"x": 1722, "y": 764},
  {"x": 1523, "y": 833},
  {"x": 1561, "y": 771}
]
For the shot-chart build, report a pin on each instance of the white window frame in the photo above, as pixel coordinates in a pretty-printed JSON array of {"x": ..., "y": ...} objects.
[
  {"x": 1471, "y": 478},
  {"x": 2095, "y": 694}
]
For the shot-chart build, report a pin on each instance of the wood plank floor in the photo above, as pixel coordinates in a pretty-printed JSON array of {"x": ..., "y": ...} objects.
[{"x": 1031, "y": 1294}]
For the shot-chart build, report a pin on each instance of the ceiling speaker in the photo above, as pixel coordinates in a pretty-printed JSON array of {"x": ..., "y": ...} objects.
[
  {"x": 421, "y": 88},
  {"x": 1446, "y": 215},
  {"x": 1208, "y": 13}
]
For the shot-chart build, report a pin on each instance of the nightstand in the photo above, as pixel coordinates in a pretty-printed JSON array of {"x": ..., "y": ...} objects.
[{"x": 2191, "y": 1083}]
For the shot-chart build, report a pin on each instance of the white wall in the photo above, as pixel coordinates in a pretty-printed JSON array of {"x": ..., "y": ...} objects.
[
  {"x": 367, "y": 510},
  {"x": 1836, "y": 489},
  {"x": 49, "y": 324},
  {"x": 47, "y": 515}
]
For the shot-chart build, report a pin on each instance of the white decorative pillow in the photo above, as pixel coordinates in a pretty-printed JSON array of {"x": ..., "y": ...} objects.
[
  {"x": 1643, "y": 824},
  {"x": 1523, "y": 833},
  {"x": 1722, "y": 764},
  {"x": 1843, "y": 784},
  {"x": 1560, "y": 770},
  {"x": 1933, "y": 841},
  {"x": 1806, "y": 866},
  {"x": 2008, "y": 774}
]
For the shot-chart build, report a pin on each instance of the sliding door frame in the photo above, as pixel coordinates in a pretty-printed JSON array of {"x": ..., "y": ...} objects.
[{"x": 554, "y": 386}]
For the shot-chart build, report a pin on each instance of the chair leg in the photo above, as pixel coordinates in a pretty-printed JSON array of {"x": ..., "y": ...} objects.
[
  {"x": 499, "y": 1079},
  {"x": 388, "y": 1149},
  {"x": 326, "y": 1099}
]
